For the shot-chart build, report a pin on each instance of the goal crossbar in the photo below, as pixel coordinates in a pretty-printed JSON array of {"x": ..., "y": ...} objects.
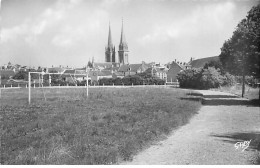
[{"x": 44, "y": 73}]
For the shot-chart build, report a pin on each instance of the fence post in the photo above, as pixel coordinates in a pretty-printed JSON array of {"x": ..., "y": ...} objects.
[
  {"x": 11, "y": 85},
  {"x": 132, "y": 85},
  {"x": 18, "y": 85},
  {"x": 4, "y": 86},
  {"x": 34, "y": 85},
  {"x": 26, "y": 86},
  {"x": 113, "y": 84}
]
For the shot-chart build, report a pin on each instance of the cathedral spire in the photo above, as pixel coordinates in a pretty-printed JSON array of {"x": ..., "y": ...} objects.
[
  {"x": 123, "y": 48},
  {"x": 109, "y": 44},
  {"x": 109, "y": 49},
  {"x": 122, "y": 39}
]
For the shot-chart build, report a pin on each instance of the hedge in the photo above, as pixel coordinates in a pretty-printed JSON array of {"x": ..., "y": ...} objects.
[{"x": 131, "y": 80}]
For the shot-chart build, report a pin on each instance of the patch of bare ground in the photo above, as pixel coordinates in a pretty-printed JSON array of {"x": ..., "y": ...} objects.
[{"x": 209, "y": 138}]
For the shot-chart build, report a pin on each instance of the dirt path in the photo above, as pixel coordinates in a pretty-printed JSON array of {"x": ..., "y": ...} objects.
[{"x": 209, "y": 138}]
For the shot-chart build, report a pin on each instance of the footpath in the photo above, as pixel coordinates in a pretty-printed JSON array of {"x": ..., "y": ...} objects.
[{"x": 226, "y": 131}]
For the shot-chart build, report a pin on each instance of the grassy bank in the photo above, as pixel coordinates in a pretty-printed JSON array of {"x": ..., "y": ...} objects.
[
  {"x": 68, "y": 128},
  {"x": 250, "y": 93}
]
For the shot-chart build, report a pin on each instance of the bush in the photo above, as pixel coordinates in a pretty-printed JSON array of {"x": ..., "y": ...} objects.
[
  {"x": 190, "y": 78},
  {"x": 249, "y": 80},
  {"x": 210, "y": 78},
  {"x": 21, "y": 75},
  {"x": 204, "y": 78},
  {"x": 106, "y": 81},
  {"x": 82, "y": 83},
  {"x": 135, "y": 80},
  {"x": 118, "y": 81},
  {"x": 229, "y": 80}
]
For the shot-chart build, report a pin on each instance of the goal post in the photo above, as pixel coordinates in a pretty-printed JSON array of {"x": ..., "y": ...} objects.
[
  {"x": 40, "y": 80},
  {"x": 0, "y": 86},
  {"x": 43, "y": 73}
]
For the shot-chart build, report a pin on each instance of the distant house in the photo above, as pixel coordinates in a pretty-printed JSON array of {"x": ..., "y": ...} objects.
[
  {"x": 133, "y": 69},
  {"x": 96, "y": 75},
  {"x": 199, "y": 63},
  {"x": 118, "y": 75},
  {"x": 175, "y": 68},
  {"x": 73, "y": 75},
  {"x": 159, "y": 72},
  {"x": 104, "y": 65},
  {"x": 23, "y": 68},
  {"x": 112, "y": 69},
  {"x": 56, "y": 70}
]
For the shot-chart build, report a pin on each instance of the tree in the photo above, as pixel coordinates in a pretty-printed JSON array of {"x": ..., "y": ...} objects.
[
  {"x": 211, "y": 78},
  {"x": 215, "y": 64},
  {"x": 240, "y": 54},
  {"x": 21, "y": 75}
]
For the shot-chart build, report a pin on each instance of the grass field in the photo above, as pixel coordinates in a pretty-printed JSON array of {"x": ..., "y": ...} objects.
[{"x": 63, "y": 126}]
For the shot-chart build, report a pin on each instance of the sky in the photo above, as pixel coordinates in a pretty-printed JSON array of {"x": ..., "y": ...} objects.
[{"x": 71, "y": 32}]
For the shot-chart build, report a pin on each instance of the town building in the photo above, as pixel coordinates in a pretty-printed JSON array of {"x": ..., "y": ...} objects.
[
  {"x": 132, "y": 69},
  {"x": 199, "y": 63}
]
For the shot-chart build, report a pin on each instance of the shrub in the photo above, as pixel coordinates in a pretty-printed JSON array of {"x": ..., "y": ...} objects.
[
  {"x": 118, "y": 81},
  {"x": 204, "y": 78},
  {"x": 210, "y": 78},
  {"x": 21, "y": 75},
  {"x": 135, "y": 80},
  {"x": 229, "y": 80},
  {"x": 82, "y": 83},
  {"x": 189, "y": 78},
  {"x": 249, "y": 80}
]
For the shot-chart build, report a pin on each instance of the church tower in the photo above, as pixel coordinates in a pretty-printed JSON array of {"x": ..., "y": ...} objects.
[
  {"x": 110, "y": 53},
  {"x": 123, "y": 49}
]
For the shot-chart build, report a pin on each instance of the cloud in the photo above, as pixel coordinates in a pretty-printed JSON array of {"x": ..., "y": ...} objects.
[
  {"x": 36, "y": 26},
  {"x": 72, "y": 34},
  {"x": 203, "y": 19},
  {"x": 13, "y": 33}
]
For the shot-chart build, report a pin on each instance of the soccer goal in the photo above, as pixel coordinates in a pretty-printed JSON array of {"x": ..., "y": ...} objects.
[{"x": 42, "y": 87}]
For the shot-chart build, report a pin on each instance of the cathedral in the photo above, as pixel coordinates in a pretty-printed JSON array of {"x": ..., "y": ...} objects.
[{"x": 110, "y": 53}]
